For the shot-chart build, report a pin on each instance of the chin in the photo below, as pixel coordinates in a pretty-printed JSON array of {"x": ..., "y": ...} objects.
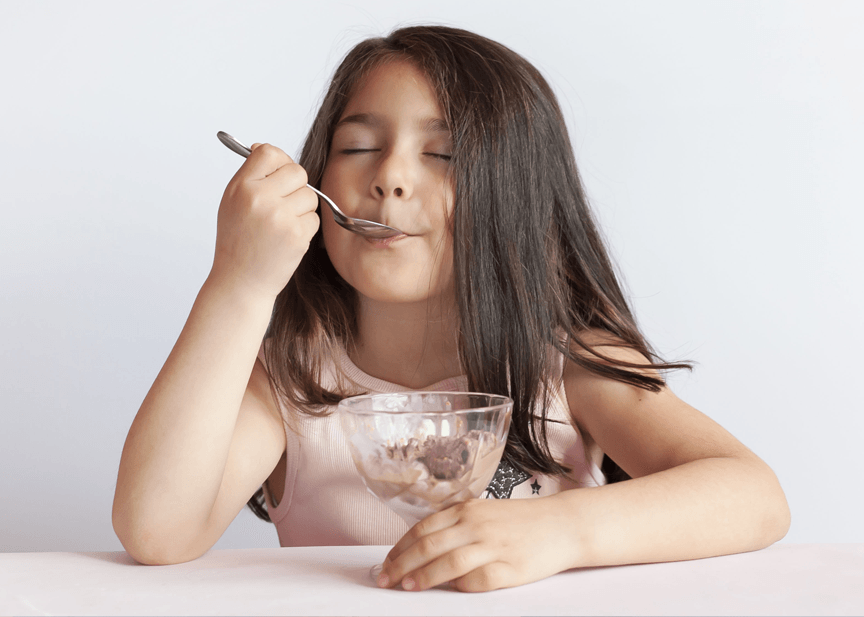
[{"x": 392, "y": 294}]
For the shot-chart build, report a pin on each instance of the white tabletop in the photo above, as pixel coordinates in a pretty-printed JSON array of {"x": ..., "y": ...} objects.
[{"x": 785, "y": 579}]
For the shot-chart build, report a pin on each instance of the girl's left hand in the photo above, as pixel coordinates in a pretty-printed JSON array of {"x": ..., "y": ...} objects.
[{"x": 483, "y": 544}]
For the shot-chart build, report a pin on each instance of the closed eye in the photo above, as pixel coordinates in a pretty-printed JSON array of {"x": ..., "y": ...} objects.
[
  {"x": 359, "y": 150},
  {"x": 443, "y": 157}
]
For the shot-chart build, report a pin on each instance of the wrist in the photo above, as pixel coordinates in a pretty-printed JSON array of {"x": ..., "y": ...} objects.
[
  {"x": 238, "y": 289},
  {"x": 577, "y": 527}
]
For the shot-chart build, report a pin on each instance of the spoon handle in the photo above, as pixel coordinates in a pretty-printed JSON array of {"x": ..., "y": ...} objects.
[{"x": 233, "y": 144}]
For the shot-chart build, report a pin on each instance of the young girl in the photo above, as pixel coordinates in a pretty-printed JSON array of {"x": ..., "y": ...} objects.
[{"x": 500, "y": 284}]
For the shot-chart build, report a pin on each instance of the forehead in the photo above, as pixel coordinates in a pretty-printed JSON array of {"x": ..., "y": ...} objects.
[{"x": 396, "y": 88}]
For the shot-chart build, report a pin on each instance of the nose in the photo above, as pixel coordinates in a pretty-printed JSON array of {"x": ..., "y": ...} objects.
[
  {"x": 394, "y": 177},
  {"x": 381, "y": 192}
]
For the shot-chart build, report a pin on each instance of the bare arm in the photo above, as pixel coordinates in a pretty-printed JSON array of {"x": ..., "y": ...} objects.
[
  {"x": 176, "y": 492},
  {"x": 209, "y": 432},
  {"x": 696, "y": 492}
]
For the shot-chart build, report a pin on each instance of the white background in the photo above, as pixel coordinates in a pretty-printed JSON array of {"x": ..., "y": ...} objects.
[{"x": 720, "y": 143}]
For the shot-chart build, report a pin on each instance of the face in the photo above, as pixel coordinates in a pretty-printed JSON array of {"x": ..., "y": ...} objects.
[{"x": 389, "y": 162}]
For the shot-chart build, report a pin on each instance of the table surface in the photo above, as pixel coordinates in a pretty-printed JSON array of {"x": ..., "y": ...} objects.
[{"x": 785, "y": 579}]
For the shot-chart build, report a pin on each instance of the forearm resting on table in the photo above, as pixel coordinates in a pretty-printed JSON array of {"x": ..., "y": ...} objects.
[
  {"x": 704, "y": 508},
  {"x": 172, "y": 464}
]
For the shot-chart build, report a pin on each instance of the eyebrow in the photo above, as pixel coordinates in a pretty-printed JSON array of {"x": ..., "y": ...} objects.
[
  {"x": 434, "y": 125},
  {"x": 427, "y": 125}
]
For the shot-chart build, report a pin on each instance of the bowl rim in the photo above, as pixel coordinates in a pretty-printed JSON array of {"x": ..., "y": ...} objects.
[{"x": 505, "y": 402}]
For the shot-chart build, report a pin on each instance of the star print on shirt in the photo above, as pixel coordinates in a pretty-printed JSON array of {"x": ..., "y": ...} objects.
[
  {"x": 505, "y": 479},
  {"x": 535, "y": 487}
]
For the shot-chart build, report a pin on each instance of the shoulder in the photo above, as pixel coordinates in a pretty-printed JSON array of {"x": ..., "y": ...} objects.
[
  {"x": 603, "y": 344},
  {"x": 587, "y": 389},
  {"x": 641, "y": 430},
  {"x": 603, "y": 348}
]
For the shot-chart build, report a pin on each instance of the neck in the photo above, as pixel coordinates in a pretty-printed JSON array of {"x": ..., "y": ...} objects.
[{"x": 410, "y": 344}]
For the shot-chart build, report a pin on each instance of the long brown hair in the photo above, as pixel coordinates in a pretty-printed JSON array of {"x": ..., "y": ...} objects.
[{"x": 532, "y": 274}]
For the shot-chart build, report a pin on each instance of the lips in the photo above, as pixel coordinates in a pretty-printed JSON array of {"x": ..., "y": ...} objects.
[{"x": 385, "y": 241}]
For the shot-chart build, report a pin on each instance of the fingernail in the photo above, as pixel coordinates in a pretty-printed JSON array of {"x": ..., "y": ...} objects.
[
  {"x": 407, "y": 584},
  {"x": 383, "y": 580}
]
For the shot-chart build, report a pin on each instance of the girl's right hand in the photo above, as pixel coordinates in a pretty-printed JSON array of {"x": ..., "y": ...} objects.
[{"x": 266, "y": 221}]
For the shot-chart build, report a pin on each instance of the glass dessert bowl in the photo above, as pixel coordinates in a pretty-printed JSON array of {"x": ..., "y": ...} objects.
[{"x": 421, "y": 452}]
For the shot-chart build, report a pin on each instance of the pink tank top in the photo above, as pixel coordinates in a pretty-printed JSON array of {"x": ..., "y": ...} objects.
[{"x": 326, "y": 503}]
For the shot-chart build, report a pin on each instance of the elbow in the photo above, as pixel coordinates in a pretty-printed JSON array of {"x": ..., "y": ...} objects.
[
  {"x": 141, "y": 545},
  {"x": 151, "y": 550},
  {"x": 146, "y": 552},
  {"x": 780, "y": 519},
  {"x": 776, "y": 515},
  {"x": 150, "y": 544}
]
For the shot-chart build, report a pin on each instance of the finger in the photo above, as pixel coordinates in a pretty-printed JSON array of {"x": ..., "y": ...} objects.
[
  {"x": 286, "y": 180},
  {"x": 495, "y": 575},
  {"x": 301, "y": 226},
  {"x": 304, "y": 201},
  {"x": 429, "y": 525},
  {"x": 264, "y": 160},
  {"x": 311, "y": 222},
  {"x": 423, "y": 552},
  {"x": 454, "y": 564}
]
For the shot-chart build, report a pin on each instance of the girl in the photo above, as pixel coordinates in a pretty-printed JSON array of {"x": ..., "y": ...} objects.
[{"x": 500, "y": 284}]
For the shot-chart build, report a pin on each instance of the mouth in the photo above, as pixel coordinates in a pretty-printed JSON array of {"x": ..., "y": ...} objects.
[{"x": 384, "y": 242}]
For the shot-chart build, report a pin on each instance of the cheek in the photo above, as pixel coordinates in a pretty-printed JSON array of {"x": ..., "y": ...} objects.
[
  {"x": 333, "y": 241},
  {"x": 445, "y": 273},
  {"x": 327, "y": 178},
  {"x": 436, "y": 268},
  {"x": 338, "y": 181}
]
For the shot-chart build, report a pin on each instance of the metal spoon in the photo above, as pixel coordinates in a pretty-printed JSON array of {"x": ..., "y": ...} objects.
[{"x": 369, "y": 229}]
